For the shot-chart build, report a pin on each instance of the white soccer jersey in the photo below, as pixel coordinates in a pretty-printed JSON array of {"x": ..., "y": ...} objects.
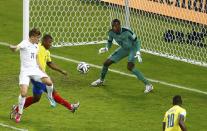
[
  {"x": 28, "y": 54},
  {"x": 29, "y": 67}
]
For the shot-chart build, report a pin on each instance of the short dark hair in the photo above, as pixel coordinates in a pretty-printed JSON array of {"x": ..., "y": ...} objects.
[
  {"x": 177, "y": 100},
  {"x": 47, "y": 36},
  {"x": 115, "y": 21},
  {"x": 34, "y": 32}
]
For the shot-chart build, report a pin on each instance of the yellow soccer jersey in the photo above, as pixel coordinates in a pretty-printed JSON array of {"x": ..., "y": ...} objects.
[
  {"x": 172, "y": 118},
  {"x": 43, "y": 56}
]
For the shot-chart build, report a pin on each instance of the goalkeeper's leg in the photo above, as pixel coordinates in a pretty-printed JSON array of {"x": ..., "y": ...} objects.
[
  {"x": 118, "y": 54},
  {"x": 105, "y": 67},
  {"x": 104, "y": 71},
  {"x": 140, "y": 76},
  {"x": 136, "y": 72}
]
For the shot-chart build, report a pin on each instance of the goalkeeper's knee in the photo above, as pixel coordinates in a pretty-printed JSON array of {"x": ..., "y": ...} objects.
[
  {"x": 107, "y": 63},
  {"x": 130, "y": 66}
]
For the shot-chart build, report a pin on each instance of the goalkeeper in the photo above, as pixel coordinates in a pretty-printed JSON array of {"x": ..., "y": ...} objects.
[{"x": 129, "y": 47}]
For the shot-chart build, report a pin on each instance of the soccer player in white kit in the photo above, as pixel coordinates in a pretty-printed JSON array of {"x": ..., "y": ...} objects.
[{"x": 30, "y": 69}]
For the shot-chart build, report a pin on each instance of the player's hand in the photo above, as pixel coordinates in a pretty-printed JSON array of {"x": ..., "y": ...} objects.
[
  {"x": 12, "y": 48},
  {"x": 138, "y": 56},
  {"x": 103, "y": 50}
]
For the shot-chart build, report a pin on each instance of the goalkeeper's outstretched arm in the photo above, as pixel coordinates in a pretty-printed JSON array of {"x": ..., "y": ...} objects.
[
  {"x": 136, "y": 42},
  {"x": 109, "y": 42},
  {"x": 108, "y": 45}
]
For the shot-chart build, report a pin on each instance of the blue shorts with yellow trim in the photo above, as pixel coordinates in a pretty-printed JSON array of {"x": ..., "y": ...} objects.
[{"x": 38, "y": 87}]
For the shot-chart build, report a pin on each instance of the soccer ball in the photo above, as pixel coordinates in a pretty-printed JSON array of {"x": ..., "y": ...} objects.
[{"x": 83, "y": 67}]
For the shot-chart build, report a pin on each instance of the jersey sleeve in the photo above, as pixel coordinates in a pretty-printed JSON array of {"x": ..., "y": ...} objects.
[
  {"x": 164, "y": 120},
  {"x": 48, "y": 56},
  {"x": 110, "y": 39},
  {"x": 183, "y": 113},
  {"x": 22, "y": 45},
  {"x": 132, "y": 36},
  {"x": 135, "y": 40}
]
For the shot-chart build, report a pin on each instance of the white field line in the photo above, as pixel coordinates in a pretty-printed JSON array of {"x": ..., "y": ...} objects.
[
  {"x": 130, "y": 75},
  {"x": 12, "y": 127},
  {"x": 126, "y": 74}
]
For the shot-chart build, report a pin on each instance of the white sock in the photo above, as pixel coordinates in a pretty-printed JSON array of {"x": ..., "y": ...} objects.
[
  {"x": 49, "y": 90},
  {"x": 21, "y": 103}
]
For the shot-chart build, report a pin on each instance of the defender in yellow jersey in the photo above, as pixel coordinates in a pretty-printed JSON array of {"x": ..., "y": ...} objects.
[
  {"x": 38, "y": 87},
  {"x": 43, "y": 56},
  {"x": 175, "y": 117}
]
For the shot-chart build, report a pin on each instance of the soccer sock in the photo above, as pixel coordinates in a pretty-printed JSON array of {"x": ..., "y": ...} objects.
[
  {"x": 21, "y": 104},
  {"x": 61, "y": 101},
  {"x": 103, "y": 72},
  {"x": 49, "y": 90},
  {"x": 28, "y": 102},
  {"x": 140, "y": 76}
]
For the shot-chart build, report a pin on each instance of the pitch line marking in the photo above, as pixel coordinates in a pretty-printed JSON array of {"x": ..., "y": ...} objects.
[
  {"x": 126, "y": 74},
  {"x": 12, "y": 127},
  {"x": 130, "y": 75}
]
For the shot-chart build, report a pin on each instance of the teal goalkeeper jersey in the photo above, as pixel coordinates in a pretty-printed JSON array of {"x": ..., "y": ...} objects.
[{"x": 126, "y": 39}]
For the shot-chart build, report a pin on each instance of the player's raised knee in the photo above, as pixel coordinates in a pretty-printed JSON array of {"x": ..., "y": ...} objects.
[
  {"x": 130, "y": 66},
  {"x": 108, "y": 62},
  {"x": 47, "y": 81}
]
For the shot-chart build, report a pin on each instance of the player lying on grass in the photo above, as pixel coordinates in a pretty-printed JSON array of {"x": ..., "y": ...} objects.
[
  {"x": 174, "y": 119},
  {"x": 129, "y": 47},
  {"x": 38, "y": 87},
  {"x": 30, "y": 69}
]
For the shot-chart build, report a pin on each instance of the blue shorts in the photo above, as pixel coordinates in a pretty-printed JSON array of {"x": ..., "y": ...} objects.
[{"x": 38, "y": 87}]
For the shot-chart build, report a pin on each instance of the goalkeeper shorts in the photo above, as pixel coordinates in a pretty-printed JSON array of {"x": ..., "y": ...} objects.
[{"x": 121, "y": 53}]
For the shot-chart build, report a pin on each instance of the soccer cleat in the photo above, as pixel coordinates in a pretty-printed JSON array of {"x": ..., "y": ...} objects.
[
  {"x": 148, "y": 88},
  {"x": 13, "y": 112},
  {"x": 18, "y": 117},
  {"x": 75, "y": 106},
  {"x": 52, "y": 101},
  {"x": 98, "y": 82}
]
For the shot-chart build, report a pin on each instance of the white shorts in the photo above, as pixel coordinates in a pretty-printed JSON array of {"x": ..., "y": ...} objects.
[{"x": 25, "y": 76}]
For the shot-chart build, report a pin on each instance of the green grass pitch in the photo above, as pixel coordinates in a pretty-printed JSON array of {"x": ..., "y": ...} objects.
[{"x": 119, "y": 105}]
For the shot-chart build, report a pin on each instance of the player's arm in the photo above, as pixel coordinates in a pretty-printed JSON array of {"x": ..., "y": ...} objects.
[
  {"x": 56, "y": 68},
  {"x": 14, "y": 48},
  {"x": 108, "y": 44},
  {"x": 182, "y": 123},
  {"x": 136, "y": 42},
  {"x": 163, "y": 126},
  {"x": 110, "y": 39},
  {"x": 164, "y": 122}
]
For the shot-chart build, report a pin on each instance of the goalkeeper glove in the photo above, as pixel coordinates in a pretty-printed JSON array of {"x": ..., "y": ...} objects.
[
  {"x": 138, "y": 56},
  {"x": 103, "y": 50}
]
